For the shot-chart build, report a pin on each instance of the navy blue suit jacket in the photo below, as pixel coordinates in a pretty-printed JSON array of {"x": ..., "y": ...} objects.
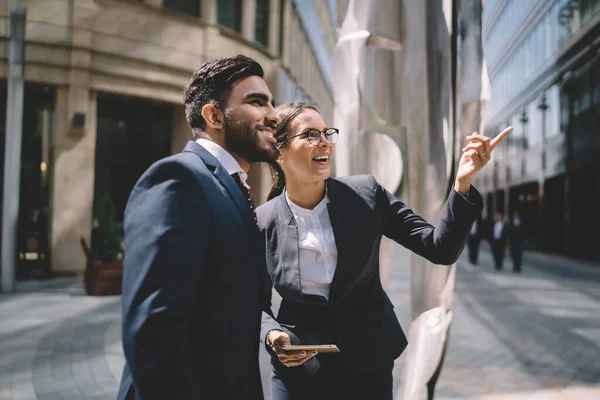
[{"x": 194, "y": 284}]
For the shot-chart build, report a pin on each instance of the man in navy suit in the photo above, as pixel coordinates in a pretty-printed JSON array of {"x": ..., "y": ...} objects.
[{"x": 194, "y": 280}]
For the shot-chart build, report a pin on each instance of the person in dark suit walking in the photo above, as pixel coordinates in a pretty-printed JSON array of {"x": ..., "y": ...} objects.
[
  {"x": 499, "y": 235},
  {"x": 474, "y": 240},
  {"x": 322, "y": 237},
  {"x": 516, "y": 239},
  {"x": 195, "y": 280}
]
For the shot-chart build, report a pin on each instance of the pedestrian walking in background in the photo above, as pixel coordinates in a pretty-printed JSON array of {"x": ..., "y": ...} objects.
[
  {"x": 474, "y": 241},
  {"x": 498, "y": 240},
  {"x": 516, "y": 238}
]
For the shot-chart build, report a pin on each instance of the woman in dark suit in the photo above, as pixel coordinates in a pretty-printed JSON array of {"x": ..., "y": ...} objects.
[{"x": 322, "y": 239}]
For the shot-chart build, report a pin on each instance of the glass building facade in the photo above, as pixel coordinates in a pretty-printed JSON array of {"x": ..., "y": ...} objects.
[{"x": 543, "y": 60}]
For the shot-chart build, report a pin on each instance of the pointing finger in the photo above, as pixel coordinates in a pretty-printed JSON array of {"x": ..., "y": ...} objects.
[{"x": 495, "y": 141}]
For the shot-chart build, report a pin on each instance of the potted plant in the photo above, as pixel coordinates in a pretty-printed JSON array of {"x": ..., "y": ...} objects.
[{"x": 104, "y": 269}]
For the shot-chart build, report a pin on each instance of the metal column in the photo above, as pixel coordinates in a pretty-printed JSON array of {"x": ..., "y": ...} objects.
[{"x": 12, "y": 159}]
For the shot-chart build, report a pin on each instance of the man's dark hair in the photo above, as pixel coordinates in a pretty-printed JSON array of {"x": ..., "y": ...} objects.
[{"x": 212, "y": 83}]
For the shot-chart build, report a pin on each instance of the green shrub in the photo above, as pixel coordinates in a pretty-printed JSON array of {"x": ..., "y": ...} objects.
[{"x": 106, "y": 240}]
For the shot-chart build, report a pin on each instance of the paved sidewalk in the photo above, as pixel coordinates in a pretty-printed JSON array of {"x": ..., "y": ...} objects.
[
  {"x": 535, "y": 335},
  {"x": 57, "y": 343}
]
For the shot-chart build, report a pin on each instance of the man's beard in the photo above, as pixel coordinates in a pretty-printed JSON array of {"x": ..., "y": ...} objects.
[{"x": 243, "y": 141}]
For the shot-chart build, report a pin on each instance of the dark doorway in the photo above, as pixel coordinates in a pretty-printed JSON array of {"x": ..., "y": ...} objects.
[
  {"x": 524, "y": 199},
  {"x": 33, "y": 259},
  {"x": 554, "y": 215},
  {"x": 487, "y": 219},
  {"x": 584, "y": 214},
  {"x": 132, "y": 133},
  {"x": 499, "y": 197}
]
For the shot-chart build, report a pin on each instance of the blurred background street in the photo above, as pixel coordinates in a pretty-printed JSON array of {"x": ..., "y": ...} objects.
[{"x": 535, "y": 335}]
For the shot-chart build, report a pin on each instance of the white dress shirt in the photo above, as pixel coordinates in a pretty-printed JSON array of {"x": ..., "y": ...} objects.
[
  {"x": 498, "y": 228},
  {"x": 225, "y": 159},
  {"x": 474, "y": 228},
  {"x": 317, "y": 252}
]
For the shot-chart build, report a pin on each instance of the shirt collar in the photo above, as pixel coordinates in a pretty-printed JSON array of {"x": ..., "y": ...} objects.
[
  {"x": 225, "y": 159},
  {"x": 303, "y": 212}
]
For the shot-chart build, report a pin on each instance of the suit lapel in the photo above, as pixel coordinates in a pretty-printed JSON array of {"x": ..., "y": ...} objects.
[
  {"x": 242, "y": 205},
  {"x": 289, "y": 241},
  {"x": 341, "y": 233},
  {"x": 227, "y": 181},
  {"x": 235, "y": 192}
]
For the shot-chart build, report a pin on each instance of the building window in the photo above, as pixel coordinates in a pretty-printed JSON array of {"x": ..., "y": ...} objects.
[
  {"x": 229, "y": 14},
  {"x": 515, "y": 139},
  {"x": 189, "y": 7},
  {"x": 488, "y": 7},
  {"x": 261, "y": 27},
  {"x": 553, "y": 112},
  {"x": 526, "y": 60},
  {"x": 534, "y": 126}
]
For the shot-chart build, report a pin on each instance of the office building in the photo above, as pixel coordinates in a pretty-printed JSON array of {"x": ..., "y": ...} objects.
[
  {"x": 544, "y": 64},
  {"x": 103, "y": 98}
]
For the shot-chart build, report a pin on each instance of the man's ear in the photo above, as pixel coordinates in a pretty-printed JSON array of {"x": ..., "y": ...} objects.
[{"x": 213, "y": 116}]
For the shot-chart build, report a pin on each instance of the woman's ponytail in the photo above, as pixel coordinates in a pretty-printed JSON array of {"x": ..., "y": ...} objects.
[{"x": 278, "y": 181}]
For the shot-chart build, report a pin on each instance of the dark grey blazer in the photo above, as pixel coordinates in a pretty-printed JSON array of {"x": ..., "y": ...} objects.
[{"x": 358, "y": 317}]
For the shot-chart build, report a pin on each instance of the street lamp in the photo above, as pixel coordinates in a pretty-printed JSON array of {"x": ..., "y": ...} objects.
[
  {"x": 543, "y": 106},
  {"x": 524, "y": 120}
]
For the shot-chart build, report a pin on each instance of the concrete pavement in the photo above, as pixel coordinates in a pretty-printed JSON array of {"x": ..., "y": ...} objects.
[
  {"x": 530, "y": 335},
  {"x": 535, "y": 335}
]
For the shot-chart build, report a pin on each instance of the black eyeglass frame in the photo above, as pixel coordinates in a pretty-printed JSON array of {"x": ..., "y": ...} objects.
[{"x": 327, "y": 132}]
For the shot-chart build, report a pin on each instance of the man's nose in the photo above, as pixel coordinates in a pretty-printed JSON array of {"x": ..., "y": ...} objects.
[{"x": 272, "y": 116}]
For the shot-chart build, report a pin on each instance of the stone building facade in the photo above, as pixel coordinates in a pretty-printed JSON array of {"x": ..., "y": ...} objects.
[{"x": 103, "y": 97}]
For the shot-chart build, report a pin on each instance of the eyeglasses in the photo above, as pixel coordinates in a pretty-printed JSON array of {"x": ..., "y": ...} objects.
[{"x": 314, "y": 135}]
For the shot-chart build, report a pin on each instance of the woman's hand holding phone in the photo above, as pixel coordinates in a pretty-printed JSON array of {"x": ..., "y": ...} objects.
[{"x": 289, "y": 358}]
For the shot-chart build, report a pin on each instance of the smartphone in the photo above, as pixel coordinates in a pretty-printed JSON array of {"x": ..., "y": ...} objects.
[{"x": 321, "y": 348}]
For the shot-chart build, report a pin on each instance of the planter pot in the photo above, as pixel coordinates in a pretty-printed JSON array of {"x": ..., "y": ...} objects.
[{"x": 104, "y": 279}]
